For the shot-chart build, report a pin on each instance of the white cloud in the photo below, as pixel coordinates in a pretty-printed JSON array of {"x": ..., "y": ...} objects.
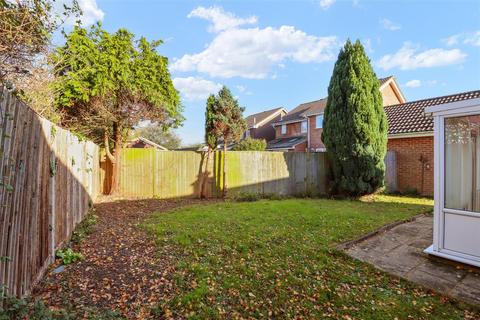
[
  {"x": 220, "y": 19},
  {"x": 390, "y": 25},
  {"x": 367, "y": 44},
  {"x": 325, "y": 4},
  {"x": 452, "y": 40},
  {"x": 91, "y": 13},
  {"x": 241, "y": 88},
  {"x": 413, "y": 84},
  {"x": 195, "y": 88},
  {"x": 410, "y": 57},
  {"x": 471, "y": 38},
  {"x": 252, "y": 52}
]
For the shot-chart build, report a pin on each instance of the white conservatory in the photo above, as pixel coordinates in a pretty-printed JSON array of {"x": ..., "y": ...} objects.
[{"x": 456, "y": 225}]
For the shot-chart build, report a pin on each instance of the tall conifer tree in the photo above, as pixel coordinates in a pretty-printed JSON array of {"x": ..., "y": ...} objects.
[{"x": 355, "y": 124}]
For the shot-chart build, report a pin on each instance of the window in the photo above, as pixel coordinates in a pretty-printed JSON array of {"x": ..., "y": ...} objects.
[
  {"x": 462, "y": 167},
  {"x": 284, "y": 128},
  {"x": 319, "y": 121},
  {"x": 304, "y": 127}
]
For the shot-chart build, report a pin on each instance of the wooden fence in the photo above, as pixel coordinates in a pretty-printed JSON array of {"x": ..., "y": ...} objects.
[
  {"x": 48, "y": 177},
  {"x": 391, "y": 171},
  {"x": 177, "y": 174},
  {"x": 285, "y": 173}
]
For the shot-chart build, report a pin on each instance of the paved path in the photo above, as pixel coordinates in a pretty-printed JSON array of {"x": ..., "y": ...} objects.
[{"x": 399, "y": 251}]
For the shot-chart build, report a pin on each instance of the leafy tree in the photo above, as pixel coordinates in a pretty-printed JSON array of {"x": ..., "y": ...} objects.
[
  {"x": 157, "y": 134},
  {"x": 223, "y": 122},
  {"x": 355, "y": 125},
  {"x": 26, "y": 27},
  {"x": 250, "y": 144},
  {"x": 107, "y": 83},
  {"x": 229, "y": 124},
  {"x": 211, "y": 139},
  {"x": 211, "y": 134}
]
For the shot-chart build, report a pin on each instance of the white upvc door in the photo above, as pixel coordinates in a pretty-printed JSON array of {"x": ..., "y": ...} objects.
[{"x": 457, "y": 212}]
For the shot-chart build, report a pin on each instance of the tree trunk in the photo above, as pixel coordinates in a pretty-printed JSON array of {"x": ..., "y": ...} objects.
[
  {"x": 224, "y": 169},
  {"x": 117, "y": 132},
  {"x": 203, "y": 187}
]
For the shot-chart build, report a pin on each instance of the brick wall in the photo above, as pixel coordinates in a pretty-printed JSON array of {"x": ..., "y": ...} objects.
[
  {"x": 409, "y": 151},
  {"x": 302, "y": 147},
  {"x": 315, "y": 134},
  {"x": 293, "y": 129}
]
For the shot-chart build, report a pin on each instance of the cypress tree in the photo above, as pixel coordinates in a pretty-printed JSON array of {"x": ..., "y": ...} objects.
[
  {"x": 211, "y": 139},
  {"x": 355, "y": 124}
]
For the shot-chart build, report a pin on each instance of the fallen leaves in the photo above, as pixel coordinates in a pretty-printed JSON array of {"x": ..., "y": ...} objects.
[{"x": 122, "y": 269}]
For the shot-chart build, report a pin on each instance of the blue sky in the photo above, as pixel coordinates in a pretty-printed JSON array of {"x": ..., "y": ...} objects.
[{"x": 281, "y": 53}]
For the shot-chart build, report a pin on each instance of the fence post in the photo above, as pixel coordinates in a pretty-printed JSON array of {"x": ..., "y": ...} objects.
[{"x": 51, "y": 198}]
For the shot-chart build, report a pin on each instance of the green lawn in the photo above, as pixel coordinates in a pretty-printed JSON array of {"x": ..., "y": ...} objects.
[{"x": 277, "y": 259}]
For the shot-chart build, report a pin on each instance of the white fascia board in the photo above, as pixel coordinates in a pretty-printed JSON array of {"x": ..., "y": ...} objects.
[
  {"x": 270, "y": 117},
  {"x": 466, "y": 106},
  {"x": 411, "y": 135}
]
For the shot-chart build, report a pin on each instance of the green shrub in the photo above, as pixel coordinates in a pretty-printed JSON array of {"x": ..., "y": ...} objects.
[
  {"x": 274, "y": 196},
  {"x": 69, "y": 256},
  {"x": 250, "y": 144},
  {"x": 84, "y": 228},
  {"x": 355, "y": 124},
  {"x": 248, "y": 197}
]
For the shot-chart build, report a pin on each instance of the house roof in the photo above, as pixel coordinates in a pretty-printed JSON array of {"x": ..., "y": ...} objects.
[
  {"x": 149, "y": 142},
  {"x": 318, "y": 106},
  {"x": 258, "y": 119},
  {"x": 285, "y": 143},
  {"x": 410, "y": 117},
  {"x": 385, "y": 80},
  {"x": 304, "y": 110}
]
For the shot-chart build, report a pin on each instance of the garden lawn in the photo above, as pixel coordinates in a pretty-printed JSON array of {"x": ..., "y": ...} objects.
[{"x": 277, "y": 258}]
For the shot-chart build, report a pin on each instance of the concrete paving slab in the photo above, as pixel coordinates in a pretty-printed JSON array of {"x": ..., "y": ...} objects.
[{"x": 399, "y": 251}]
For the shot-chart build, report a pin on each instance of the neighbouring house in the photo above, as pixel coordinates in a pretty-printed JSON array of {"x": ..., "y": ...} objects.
[
  {"x": 301, "y": 128},
  {"x": 456, "y": 221},
  {"x": 260, "y": 124},
  {"x": 142, "y": 142},
  {"x": 410, "y": 137}
]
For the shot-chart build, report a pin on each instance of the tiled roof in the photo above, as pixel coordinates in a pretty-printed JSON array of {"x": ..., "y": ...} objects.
[
  {"x": 300, "y": 112},
  {"x": 259, "y": 117},
  {"x": 313, "y": 107},
  {"x": 383, "y": 80},
  {"x": 410, "y": 117},
  {"x": 285, "y": 143}
]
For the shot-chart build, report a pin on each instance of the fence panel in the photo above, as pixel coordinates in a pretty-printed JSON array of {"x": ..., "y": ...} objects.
[
  {"x": 47, "y": 179},
  {"x": 147, "y": 173},
  {"x": 391, "y": 171},
  {"x": 285, "y": 173},
  {"x": 160, "y": 174}
]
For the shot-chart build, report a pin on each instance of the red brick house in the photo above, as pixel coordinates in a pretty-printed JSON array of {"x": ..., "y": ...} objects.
[
  {"x": 301, "y": 128},
  {"x": 410, "y": 136},
  {"x": 260, "y": 124}
]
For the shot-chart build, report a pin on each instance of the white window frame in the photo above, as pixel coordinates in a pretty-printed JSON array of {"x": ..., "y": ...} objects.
[
  {"x": 304, "y": 126},
  {"x": 283, "y": 129},
  {"x": 316, "y": 121},
  {"x": 440, "y": 113}
]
